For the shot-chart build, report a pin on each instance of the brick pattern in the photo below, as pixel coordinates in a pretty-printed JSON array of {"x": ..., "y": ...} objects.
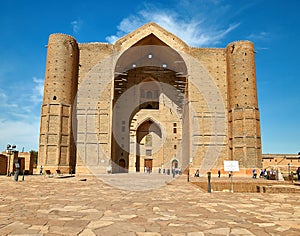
[
  {"x": 244, "y": 121},
  {"x": 56, "y": 148},
  {"x": 223, "y": 116}
]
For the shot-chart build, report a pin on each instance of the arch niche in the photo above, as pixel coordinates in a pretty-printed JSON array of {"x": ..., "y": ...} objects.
[
  {"x": 148, "y": 137},
  {"x": 150, "y": 83}
]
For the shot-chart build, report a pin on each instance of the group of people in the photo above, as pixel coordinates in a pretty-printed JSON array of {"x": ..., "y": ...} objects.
[
  {"x": 267, "y": 174},
  {"x": 174, "y": 171},
  {"x": 197, "y": 173},
  {"x": 264, "y": 173},
  {"x": 147, "y": 170}
]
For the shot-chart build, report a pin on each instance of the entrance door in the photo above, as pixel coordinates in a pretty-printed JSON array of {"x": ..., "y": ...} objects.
[
  {"x": 122, "y": 166},
  {"x": 148, "y": 164},
  {"x": 175, "y": 164}
]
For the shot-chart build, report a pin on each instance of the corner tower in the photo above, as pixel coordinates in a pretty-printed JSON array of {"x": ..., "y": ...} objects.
[
  {"x": 243, "y": 113},
  {"x": 56, "y": 148}
]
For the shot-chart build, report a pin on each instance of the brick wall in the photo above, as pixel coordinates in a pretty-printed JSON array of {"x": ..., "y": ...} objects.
[
  {"x": 223, "y": 117},
  {"x": 61, "y": 82}
]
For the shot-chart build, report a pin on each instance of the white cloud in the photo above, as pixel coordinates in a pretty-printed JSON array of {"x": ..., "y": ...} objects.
[
  {"x": 193, "y": 31},
  {"x": 23, "y": 134},
  {"x": 5, "y": 102},
  {"x": 38, "y": 91},
  {"x": 259, "y": 36},
  {"x": 112, "y": 38},
  {"x": 76, "y": 26},
  {"x": 19, "y": 122},
  {"x": 3, "y": 96},
  {"x": 258, "y": 49}
]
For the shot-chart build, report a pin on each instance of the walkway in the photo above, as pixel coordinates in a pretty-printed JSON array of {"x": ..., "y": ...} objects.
[{"x": 88, "y": 206}]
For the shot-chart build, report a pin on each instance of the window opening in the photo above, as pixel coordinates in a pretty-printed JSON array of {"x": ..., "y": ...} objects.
[
  {"x": 148, "y": 152},
  {"x": 148, "y": 141},
  {"x": 149, "y": 94}
]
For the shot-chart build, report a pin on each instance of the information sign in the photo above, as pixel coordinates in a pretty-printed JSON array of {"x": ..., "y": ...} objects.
[{"x": 232, "y": 166}]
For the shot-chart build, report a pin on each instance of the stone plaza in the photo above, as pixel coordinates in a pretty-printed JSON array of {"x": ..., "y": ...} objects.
[{"x": 140, "y": 204}]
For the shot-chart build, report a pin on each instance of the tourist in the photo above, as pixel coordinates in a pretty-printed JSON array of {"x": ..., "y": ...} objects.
[
  {"x": 261, "y": 175},
  {"x": 298, "y": 173},
  {"x": 271, "y": 172},
  {"x": 219, "y": 173},
  {"x": 197, "y": 173},
  {"x": 254, "y": 174},
  {"x": 41, "y": 170},
  {"x": 265, "y": 174}
]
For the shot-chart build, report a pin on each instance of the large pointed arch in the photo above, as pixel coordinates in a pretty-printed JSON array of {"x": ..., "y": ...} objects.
[
  {"x": 148, "y": 135},
  {"x": 148, "y": 60},
  {"x": 135, "y": 38}
]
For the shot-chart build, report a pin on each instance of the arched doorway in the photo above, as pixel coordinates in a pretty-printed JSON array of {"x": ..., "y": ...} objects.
[
  {"x": 139, "y": 74},
  {"x": 122, "y": 166},
  {"x": 175, "y": 163},
  {"x": 148, "y": 138}
]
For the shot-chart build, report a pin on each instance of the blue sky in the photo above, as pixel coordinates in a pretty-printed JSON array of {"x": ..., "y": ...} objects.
[{"x": 273, "y": 26}]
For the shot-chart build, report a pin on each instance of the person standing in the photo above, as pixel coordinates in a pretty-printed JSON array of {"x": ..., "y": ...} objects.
[
  {"x": 219, "y": 173},
  {"x": 173, "y": 171},
  {"x": 298, "y": 173},
  {"x": 254, "y": 174}
]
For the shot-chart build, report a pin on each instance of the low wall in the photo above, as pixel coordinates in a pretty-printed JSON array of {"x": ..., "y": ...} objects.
[{"x": 239, "y": 185}]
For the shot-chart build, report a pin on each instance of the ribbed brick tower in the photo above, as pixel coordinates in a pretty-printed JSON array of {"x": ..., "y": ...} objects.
[
  {"x": 57, "y": 149},
  {"x": 244, "y": 121}
]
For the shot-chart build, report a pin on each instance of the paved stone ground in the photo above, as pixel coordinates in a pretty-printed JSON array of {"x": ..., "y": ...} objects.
[{"x": 71, "y": 206}]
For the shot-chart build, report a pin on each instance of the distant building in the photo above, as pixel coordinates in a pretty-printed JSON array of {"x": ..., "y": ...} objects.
[
  {"x": 285, "y": 162},
  {"x": 3, "y": 164},
  {"x": 148, "y": 102},
  {"x": 7, "y": 162}
]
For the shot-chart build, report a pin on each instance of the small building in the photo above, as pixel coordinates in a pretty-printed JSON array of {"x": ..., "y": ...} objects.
[
  {"x": 285, "y": 162},
  {"x": 3, "y": 164},
  {"x": 28, "y": 161},
  {"x": 7, "y": 162}
]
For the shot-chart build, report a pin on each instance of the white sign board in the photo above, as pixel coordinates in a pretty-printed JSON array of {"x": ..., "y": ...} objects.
[{"x": 231, "y": 166}]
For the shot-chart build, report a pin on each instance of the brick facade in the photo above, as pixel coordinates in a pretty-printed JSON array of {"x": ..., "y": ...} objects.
[
  {"x": 286, "y": 162},
  {"x": 148, "y": 100}
]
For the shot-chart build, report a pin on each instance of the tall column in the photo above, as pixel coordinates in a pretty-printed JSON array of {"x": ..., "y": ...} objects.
[
  {"x": 244, "y": 121},
  {"x": 56, "y": 147}
]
